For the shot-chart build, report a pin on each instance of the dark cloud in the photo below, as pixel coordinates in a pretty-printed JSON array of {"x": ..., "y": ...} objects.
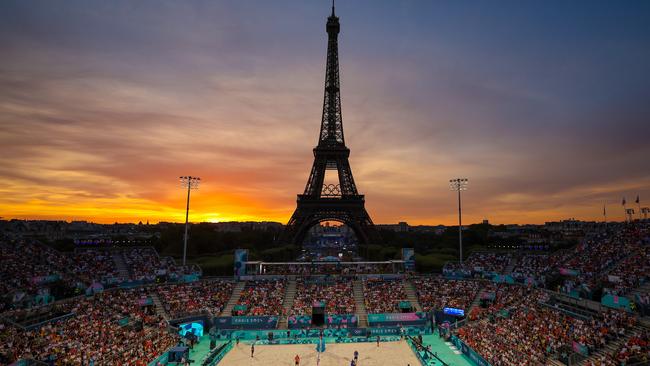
[{"x": 544, "y": 106}]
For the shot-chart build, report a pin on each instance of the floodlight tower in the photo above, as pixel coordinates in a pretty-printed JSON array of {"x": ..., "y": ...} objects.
[
  {"x": 189, "y": 182},
  {"x": 458, "y": 185}
]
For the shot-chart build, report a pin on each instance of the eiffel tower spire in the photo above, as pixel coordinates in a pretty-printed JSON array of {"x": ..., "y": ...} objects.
[
  {"x": 338, "y": 202},
  {"x": 332, "y": 121}
]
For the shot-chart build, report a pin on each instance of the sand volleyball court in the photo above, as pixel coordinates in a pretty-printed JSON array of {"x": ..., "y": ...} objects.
[{"x": 336, "y": 354}]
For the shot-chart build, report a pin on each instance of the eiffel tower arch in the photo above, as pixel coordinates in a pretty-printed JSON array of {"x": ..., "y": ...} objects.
[{"x": 322, "y": 201}]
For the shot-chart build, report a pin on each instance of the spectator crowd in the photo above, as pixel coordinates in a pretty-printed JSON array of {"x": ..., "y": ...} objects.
[
  {"x": 263, "y": 297},
  {"x": 110, "y": 328},
  {"x": 528, "y": 332},
  {"x": 436, "y": 293},
  {"x": 338, "y": 296},
  {"x": 383, "y": 296},
  {"x": 195, "y": 297}
]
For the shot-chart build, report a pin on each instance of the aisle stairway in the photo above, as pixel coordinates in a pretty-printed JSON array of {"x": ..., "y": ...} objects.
[
  {"x": 362, "y": 315},
  {"x": 612, "y": 347},
  {"x": 236, "y": 292},
  {"x": 120, "y": 265},
  {"x": 289, "y": 296},
  {"x": 411, "y": 295},
  {"x": 475, "y": 303},
  {"x": 511, "y": 265},
  {"x": 644, "y": 289},
  {"x": 160, "y": 309}
]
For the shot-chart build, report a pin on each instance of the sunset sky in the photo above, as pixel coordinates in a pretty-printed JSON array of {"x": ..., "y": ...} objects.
[{"x": 543, "y": 105}]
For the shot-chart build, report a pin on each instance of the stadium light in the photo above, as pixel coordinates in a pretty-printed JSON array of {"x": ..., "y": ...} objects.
[
  {"x": 190, "y": 183},
  {"x": 458, "y": 185}
]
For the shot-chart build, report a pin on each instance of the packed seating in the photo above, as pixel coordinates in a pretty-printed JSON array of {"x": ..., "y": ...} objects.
[
  {"x": 629, "y": 273},
  {"x": 598, "y": 253},
  {"x": 383, "y": 296},
  {"x": 436, "y": 293},
  {"x": 478, "y": 264},
  {"x": 488, "y": 262},
  {"x": 23, "y": 265},
  {"x": 532, "y": 266},
  {"x": 497, "y": 297},
  {"x": 528, "y": 332},
  {"x": 262, "y": 298},
  {"x": 146, "y": 265},
  {"x": 336, "y": 294},
  {"x": 142, "y": 263},
  {"x": 188, "y": 298},
  {"x": 94, "y": 266},
  {"x": 329, "y": 268},
  {"x": 104, "y": 329},
  {"x": 634, "y": 351}
]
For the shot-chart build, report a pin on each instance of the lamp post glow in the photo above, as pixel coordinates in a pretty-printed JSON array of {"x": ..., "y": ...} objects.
[
  {"x": 190, "y": 183},
  {"x": 458, "y": 185}
]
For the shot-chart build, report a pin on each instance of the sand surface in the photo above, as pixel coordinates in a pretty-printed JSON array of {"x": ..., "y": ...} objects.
[{"x": 388, "y": 354}]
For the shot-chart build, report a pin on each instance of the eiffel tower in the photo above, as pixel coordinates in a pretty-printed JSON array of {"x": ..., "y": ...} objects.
[{"x": 326, "y": 201}]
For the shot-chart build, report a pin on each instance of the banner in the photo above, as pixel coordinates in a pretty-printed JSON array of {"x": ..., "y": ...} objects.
[
  {"x": 147, "y": 301},
  {"x": 408, "y": 256},
  {"x": 246, "y": 322},
  {"x": 503, "y": 279},
  {"x": 384, "y": 277},
  {"x": 365, "y": 332},
  {"x": 299, "y": 321},
  {"x": 569, "y": 272},
  {"x": 241, "y": 257},
  {"x": 405, "y": 305},
  {"x": 580, "y": 348},
  {"x": 389, "y": 319},
  {"x": 331, "y": 320},
  {"x": 613, "y": 279},
  {"x": 617, "y": 302},
  {"x": 39, "y": 280},
  {"x": 342, "y": 320}
]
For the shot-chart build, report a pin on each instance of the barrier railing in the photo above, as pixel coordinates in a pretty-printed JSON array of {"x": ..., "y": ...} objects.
[
  {"x": 418, "y": 348},
  {"x": 218, "y": 354},
  {"x": 469, "y": 352}
]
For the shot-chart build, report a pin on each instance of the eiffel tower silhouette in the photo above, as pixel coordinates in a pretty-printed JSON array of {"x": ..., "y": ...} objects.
[{"x": 326, "y": 201}]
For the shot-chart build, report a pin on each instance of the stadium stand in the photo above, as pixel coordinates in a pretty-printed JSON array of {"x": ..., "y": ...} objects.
[
  {"x": 336, "y": 294},
  {"x": 189, "y": 298},
  {"x": 436, "y": 293},
  {"x": 383, "y": 296},
  {"x": 262, "y": 297}
]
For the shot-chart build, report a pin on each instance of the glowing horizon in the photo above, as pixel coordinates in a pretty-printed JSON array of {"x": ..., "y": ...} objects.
[{"x": 104, "y": 105}]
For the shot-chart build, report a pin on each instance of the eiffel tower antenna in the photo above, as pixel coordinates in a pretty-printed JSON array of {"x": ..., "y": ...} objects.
[{"x": 336, "y": 202}]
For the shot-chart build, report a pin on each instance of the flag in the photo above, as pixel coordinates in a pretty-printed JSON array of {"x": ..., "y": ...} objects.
[
  {"x": 637, "y": 199},
  {"x": 623, "y": 201}
]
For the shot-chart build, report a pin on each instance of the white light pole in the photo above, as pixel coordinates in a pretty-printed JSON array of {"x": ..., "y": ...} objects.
[
  {"x": 190, "y": 183},
  {"x": 458, "y": 185}
]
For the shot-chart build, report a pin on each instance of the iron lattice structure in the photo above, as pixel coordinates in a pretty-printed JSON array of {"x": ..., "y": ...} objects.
[{"x": 336, "y": 202}]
